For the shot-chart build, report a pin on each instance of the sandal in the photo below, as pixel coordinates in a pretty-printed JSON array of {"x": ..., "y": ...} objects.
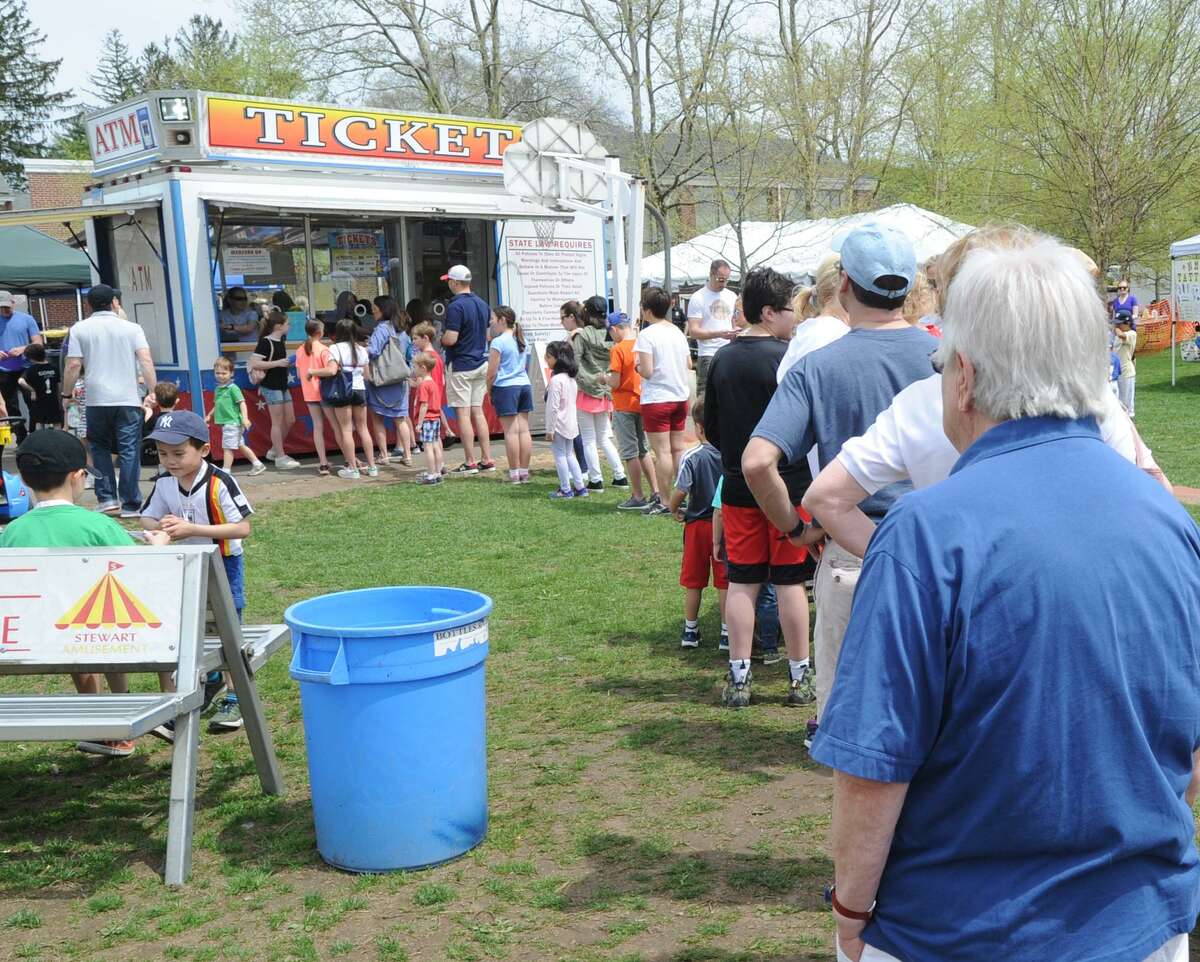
[{"x": 323, "y": 470}]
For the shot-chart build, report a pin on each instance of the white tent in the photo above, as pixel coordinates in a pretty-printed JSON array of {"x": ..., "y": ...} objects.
[
  {"x": 796, "y": 248},
  {"x": 1185, "y": 287}
]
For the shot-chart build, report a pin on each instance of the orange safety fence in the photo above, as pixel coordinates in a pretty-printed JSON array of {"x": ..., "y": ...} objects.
[{"x": 1154, "y": 332}]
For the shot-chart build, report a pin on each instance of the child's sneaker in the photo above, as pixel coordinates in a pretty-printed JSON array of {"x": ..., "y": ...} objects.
[
  {"x": 656, "y": 508},
  {"x": 723, "y": 643},
  {"x": 620, "y": 482},
  {"x": 560, "y": 495},
  {"x": 691, "y": 638},
  {"x": 801, "y": 691},
  {"x": 595, "y": 485},
  {"x": 373, "y": 471},
  {"x": 228, "y": 717},
  {"x": 349, "y": 474},
  {"x": 736, "y": 694},
  {"x": 256, "y": 470},
  {"x": 579, "y": 493},
  {"x": 487, "y": 465},
  {"x": 428, "y": 478}
]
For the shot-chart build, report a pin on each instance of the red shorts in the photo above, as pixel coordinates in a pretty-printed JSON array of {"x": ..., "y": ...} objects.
[
  {"x": 757, "y": 550},
  {"x": 698, "y": 559},
  {"x": 664, "y": 416}
]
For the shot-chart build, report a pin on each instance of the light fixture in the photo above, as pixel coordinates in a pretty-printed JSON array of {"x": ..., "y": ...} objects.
[{"x": 174, "y": 109}]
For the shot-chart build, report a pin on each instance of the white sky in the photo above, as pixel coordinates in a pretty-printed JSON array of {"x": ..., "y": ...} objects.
[{"x": 74, "y": 28}]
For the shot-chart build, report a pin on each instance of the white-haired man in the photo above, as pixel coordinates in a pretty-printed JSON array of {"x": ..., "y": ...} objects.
[{"x": 1014, "y": 729}]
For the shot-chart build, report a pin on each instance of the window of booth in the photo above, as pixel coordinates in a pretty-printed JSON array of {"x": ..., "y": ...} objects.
[
  {"x": 346, "y": 257},
  {"x": 253, "y": 259},
  {"x": 434, "y": 245}
]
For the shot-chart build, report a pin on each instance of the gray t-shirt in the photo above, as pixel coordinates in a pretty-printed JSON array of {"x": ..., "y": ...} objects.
[
  {"x": 108, "y": 346},
  {"x": 837, "y": 392},
  {"x": 699, "y": 472}
]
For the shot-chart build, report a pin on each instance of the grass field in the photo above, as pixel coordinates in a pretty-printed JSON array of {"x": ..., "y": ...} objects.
[{"x": 631, "y": 817}]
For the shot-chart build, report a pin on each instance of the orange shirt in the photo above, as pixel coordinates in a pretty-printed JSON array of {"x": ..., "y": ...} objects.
[
  {"x": 439, "y": 376},
  {"x": 311, "y": 388},
  {"x": 428, "y": 393},
  {"x": 627, "y": 396}
]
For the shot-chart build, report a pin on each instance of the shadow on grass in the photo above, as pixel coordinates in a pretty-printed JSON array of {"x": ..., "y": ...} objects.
[
  {"x": 73, "y": 824},
  {"x": 733, "y": 746},
  {"x": 622, "y": 866},
  {"x": 708, "y": 954}
]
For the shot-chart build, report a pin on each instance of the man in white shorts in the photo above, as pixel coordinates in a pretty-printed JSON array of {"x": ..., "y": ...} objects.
[{"x": 466, "y": 344}]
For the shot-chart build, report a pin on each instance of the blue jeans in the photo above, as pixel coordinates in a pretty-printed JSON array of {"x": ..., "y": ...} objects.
[
  {"x": 117, "y": 430},
  {"x": 766, "y": 619}
]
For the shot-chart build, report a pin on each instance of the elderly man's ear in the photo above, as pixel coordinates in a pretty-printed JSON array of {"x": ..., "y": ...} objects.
[{"x": 964, "y": 384}]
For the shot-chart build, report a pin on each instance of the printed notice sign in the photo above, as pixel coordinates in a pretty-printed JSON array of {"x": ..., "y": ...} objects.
[
  {"x": 459, "y": 639},
  {"x": 255, "y": 261},
  {"x": 81, "y": 609},
  {"x": 1187, "y": 287}
]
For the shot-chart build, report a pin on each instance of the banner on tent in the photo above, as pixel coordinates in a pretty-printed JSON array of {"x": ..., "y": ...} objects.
[{"x": 1186, "y": 281}]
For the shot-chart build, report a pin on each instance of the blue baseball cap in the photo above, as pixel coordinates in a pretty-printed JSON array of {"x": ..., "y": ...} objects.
[
  {"x": 175, "y": 427},
  {"x": 617, "y": 318},
  {"x": 879, "y": 259}
]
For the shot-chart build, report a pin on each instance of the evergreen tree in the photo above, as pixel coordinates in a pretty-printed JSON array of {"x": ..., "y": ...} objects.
[
  {"x": 28, "y": 100},
  {"x": 118, "y": 75}
]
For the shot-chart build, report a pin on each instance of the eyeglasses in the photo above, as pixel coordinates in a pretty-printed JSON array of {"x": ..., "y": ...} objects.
[{"x": 1122, "y": 288}]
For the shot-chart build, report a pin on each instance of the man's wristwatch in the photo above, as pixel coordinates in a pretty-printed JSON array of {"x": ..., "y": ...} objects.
[{"x": 831, "y": 899}]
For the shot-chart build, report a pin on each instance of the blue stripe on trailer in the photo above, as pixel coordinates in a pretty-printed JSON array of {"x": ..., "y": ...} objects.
[{"x": 185, "y": 288}]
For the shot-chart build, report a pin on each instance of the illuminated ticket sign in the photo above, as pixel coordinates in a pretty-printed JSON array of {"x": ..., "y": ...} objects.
[{"x": 237, "y": 125}]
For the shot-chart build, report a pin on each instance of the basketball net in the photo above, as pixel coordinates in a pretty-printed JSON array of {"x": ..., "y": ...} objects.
[{"x": 545, "y": 230}]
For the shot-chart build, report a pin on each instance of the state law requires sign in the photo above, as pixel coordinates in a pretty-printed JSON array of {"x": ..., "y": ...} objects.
[
  {"x": 81, "y": 610},
  {"x": 121, "y": 134}
]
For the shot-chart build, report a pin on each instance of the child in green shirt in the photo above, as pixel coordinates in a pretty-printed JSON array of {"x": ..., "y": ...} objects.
[
  {"x": 229, "y": 411},
  {"x": 53, "y": 465}
]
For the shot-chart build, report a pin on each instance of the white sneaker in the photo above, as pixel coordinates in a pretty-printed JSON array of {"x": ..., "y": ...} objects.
[
  {"x": 109, "y": 507},
  {"x": 270, "y": 455},
  {"x": 286, "y": 463},
  {"x": 256, "y": 470},
  {"x": 131, "y": 514},
  {"x": 350, "y": 474},
  {"x": 372, "y": 472}
]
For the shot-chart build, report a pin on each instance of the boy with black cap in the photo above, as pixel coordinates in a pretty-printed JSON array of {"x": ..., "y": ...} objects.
[
  {"x": 53, "y": 466},
  {"x": 195, "y": 502}
]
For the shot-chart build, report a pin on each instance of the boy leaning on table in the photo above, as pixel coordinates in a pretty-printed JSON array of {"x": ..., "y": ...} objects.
[{"x": 53, "y": 465}]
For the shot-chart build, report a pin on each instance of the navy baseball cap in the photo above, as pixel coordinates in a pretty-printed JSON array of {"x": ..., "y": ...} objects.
[
  {"x": 617, "y": 318},
  {"x": 1124, "y": 317},
  {"x": 879, "y": 259},
  {"x": 175, "y": 427}
]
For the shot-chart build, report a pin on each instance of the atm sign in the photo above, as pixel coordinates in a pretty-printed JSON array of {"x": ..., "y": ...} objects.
[{"x": 122, "y": 133}]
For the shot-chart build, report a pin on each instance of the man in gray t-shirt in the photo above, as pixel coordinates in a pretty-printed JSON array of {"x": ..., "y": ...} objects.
[
  {"x": 110, "y": 350},
  {"x": 832, "y": 395}
]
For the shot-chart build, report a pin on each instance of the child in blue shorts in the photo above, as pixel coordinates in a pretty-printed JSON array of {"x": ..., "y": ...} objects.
[{"x": 196, "y": 502}]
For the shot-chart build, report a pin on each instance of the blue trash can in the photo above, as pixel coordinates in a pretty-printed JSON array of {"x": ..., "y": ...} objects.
[{"x": 392, "y": 690}]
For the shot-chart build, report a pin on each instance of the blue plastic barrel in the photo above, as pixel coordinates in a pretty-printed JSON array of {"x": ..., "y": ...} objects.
[{"x": 392, "y": 690}]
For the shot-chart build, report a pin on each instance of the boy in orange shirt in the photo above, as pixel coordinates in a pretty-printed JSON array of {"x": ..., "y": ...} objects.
[
  {"x": 428, "y": 406},
  {"x": 626, "y": 386}
]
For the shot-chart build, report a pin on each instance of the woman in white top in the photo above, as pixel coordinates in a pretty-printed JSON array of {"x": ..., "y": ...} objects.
[
  {"x": 350, "y": 415},
  {"x": 907, "y": 441},
  {"x": 663, "y": 360},
  {"x": 825, "y": 320}
]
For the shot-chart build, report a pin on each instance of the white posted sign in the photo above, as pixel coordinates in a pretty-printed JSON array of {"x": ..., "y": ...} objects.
[
  {"x": 81, "y": 610},
  {"x": 1186, "y": 276}
]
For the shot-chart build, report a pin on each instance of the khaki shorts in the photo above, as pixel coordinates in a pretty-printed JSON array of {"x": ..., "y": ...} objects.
[
  {"x": 631, "y": 438},
  {"x": 465, "y": 389}
]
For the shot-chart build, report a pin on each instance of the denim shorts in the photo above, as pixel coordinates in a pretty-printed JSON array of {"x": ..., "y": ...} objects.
[
  {"x": 236, "y": 573},
  {"x": 511, "y": 401},
  {"x": 271, "y": 396}
]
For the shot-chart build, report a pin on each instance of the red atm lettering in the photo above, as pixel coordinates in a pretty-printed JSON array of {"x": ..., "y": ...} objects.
[{"x": 117, "y": 134}]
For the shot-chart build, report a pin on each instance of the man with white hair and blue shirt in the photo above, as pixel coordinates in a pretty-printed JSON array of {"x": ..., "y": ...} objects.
[
  {"x": 1015, "y": 732},
  {"x": 834, "y": 394}
]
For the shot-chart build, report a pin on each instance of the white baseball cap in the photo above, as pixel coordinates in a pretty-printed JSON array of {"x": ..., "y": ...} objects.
[
  {"x": 458, "y": 272},
  {"x": 7, "y": 300}
]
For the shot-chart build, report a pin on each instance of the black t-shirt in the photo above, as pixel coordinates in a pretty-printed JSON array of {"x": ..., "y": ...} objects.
[
  {"x": 276, "y": 378},
  {"x": 44, "y": 404},
  {"x": 741, "y": 383}
]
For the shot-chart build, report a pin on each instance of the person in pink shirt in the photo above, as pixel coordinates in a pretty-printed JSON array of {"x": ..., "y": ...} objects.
[
  {"x": 314, "y": 355},
  {"x": 562, "y": 422}
]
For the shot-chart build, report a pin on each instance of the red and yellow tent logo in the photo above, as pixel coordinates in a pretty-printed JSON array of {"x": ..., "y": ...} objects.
[{"x": 109, "y": 604}]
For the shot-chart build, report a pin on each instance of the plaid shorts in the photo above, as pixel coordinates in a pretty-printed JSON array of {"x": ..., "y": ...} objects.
[{"x": 431, "y": 430}]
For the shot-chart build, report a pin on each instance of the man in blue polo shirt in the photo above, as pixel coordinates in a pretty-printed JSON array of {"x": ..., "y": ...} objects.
[
  {"x": 17, "y": 331},
  {"x": 1015, "y": 724},
  {"x": 466, "y": 344}
]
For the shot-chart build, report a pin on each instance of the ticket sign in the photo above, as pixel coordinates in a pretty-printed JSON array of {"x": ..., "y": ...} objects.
[
  {"x": 82, "y": 609},
  {"x": 253, "y": 125}
]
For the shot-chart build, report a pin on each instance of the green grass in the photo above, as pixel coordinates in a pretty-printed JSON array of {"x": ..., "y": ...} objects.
[{"x": 630, "y": 816}]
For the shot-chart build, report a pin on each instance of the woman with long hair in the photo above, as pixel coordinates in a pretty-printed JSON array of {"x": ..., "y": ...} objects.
[
  {"x": 389, "y": 402},
  {"x": 511, "y": 390},
  {"x": 594, "y": 399},
  {"x": 312, "y": 357},
  {"x": 271, "y": 357}
]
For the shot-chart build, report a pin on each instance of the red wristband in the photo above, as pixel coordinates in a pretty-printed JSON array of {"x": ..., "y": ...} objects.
[{"x": 832, "y": 899}]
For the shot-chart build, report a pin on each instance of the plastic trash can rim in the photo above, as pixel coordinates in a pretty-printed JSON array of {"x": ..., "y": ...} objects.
[{"x": 451, "y": 621}]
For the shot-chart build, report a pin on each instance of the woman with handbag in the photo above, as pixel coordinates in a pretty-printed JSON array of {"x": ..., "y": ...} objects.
[
  {"x": 268, "y": 368},
  {"x": 390, "y": 351},
  {"x": 343, "y": 390}
]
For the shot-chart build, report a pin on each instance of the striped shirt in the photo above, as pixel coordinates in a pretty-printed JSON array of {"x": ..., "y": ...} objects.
[{"x": 214, "y": 498}]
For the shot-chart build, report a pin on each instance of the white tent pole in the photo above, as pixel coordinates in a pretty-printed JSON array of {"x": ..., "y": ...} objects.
[
  {"x": 637, "y": 223},
  {"x": 1173, "y": 319},
  {"x": 612, "y": 166}
]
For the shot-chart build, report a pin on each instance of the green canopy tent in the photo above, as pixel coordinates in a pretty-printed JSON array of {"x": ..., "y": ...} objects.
[{"x": 33, "y": 261}]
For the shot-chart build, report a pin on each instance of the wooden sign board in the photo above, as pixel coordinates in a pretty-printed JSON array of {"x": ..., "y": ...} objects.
[{"x": 81, "y": 610}]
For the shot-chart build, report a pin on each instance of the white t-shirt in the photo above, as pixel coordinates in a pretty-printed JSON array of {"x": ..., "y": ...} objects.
[
  {"x": 814, "y": 333},
  {"x": 108, "y": 346},
  {"x": 352, "y": 363},
  {"x": 214, "y": 498},
  {"x": 908, "y": 440},
  {"x": 668, "y": 349},
  {"x": 714, "y": 310}
]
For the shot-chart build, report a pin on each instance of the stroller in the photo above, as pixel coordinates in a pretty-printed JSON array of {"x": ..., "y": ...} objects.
[{"x": 14, "y": 498}]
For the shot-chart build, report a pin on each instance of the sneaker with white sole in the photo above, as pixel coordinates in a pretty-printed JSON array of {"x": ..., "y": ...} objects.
[
  {"x": 620, "y": 482},
  {"x": 736, "y": 694},
  {"x": 372, "y": 471},
  {"x": 286, "y": 463},
  {"x": 228, "y": 716},
  {"x": 256, "y": 470},
  {"x": 691, "y": 638},
  {"x": 723, "y": 643},
  {"x": 349, "y": 474},
  {"x": 127, "y": 514},
  {"x": 109, "y": 507},
  {"x": 465, "y": 469},
  {"x": 633, "y": 504},
  {"x": 428, "y": 478}
]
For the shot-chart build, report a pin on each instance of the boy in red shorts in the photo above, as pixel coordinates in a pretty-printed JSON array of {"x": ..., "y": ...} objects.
[{"x": 699, "y": 472}]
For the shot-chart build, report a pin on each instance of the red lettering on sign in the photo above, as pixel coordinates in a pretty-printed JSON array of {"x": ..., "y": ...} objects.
[{"x": 9, "y": 629}]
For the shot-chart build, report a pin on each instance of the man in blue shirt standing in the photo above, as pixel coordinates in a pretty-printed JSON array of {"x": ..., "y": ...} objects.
[
  {"x": 1014, "y": 726},
  {"x": 17, "y": 331},
  {"x": 465, "y": 341}
]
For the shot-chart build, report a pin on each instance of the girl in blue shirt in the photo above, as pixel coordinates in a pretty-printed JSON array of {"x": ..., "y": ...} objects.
[{"x": 511, "y": 390}]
